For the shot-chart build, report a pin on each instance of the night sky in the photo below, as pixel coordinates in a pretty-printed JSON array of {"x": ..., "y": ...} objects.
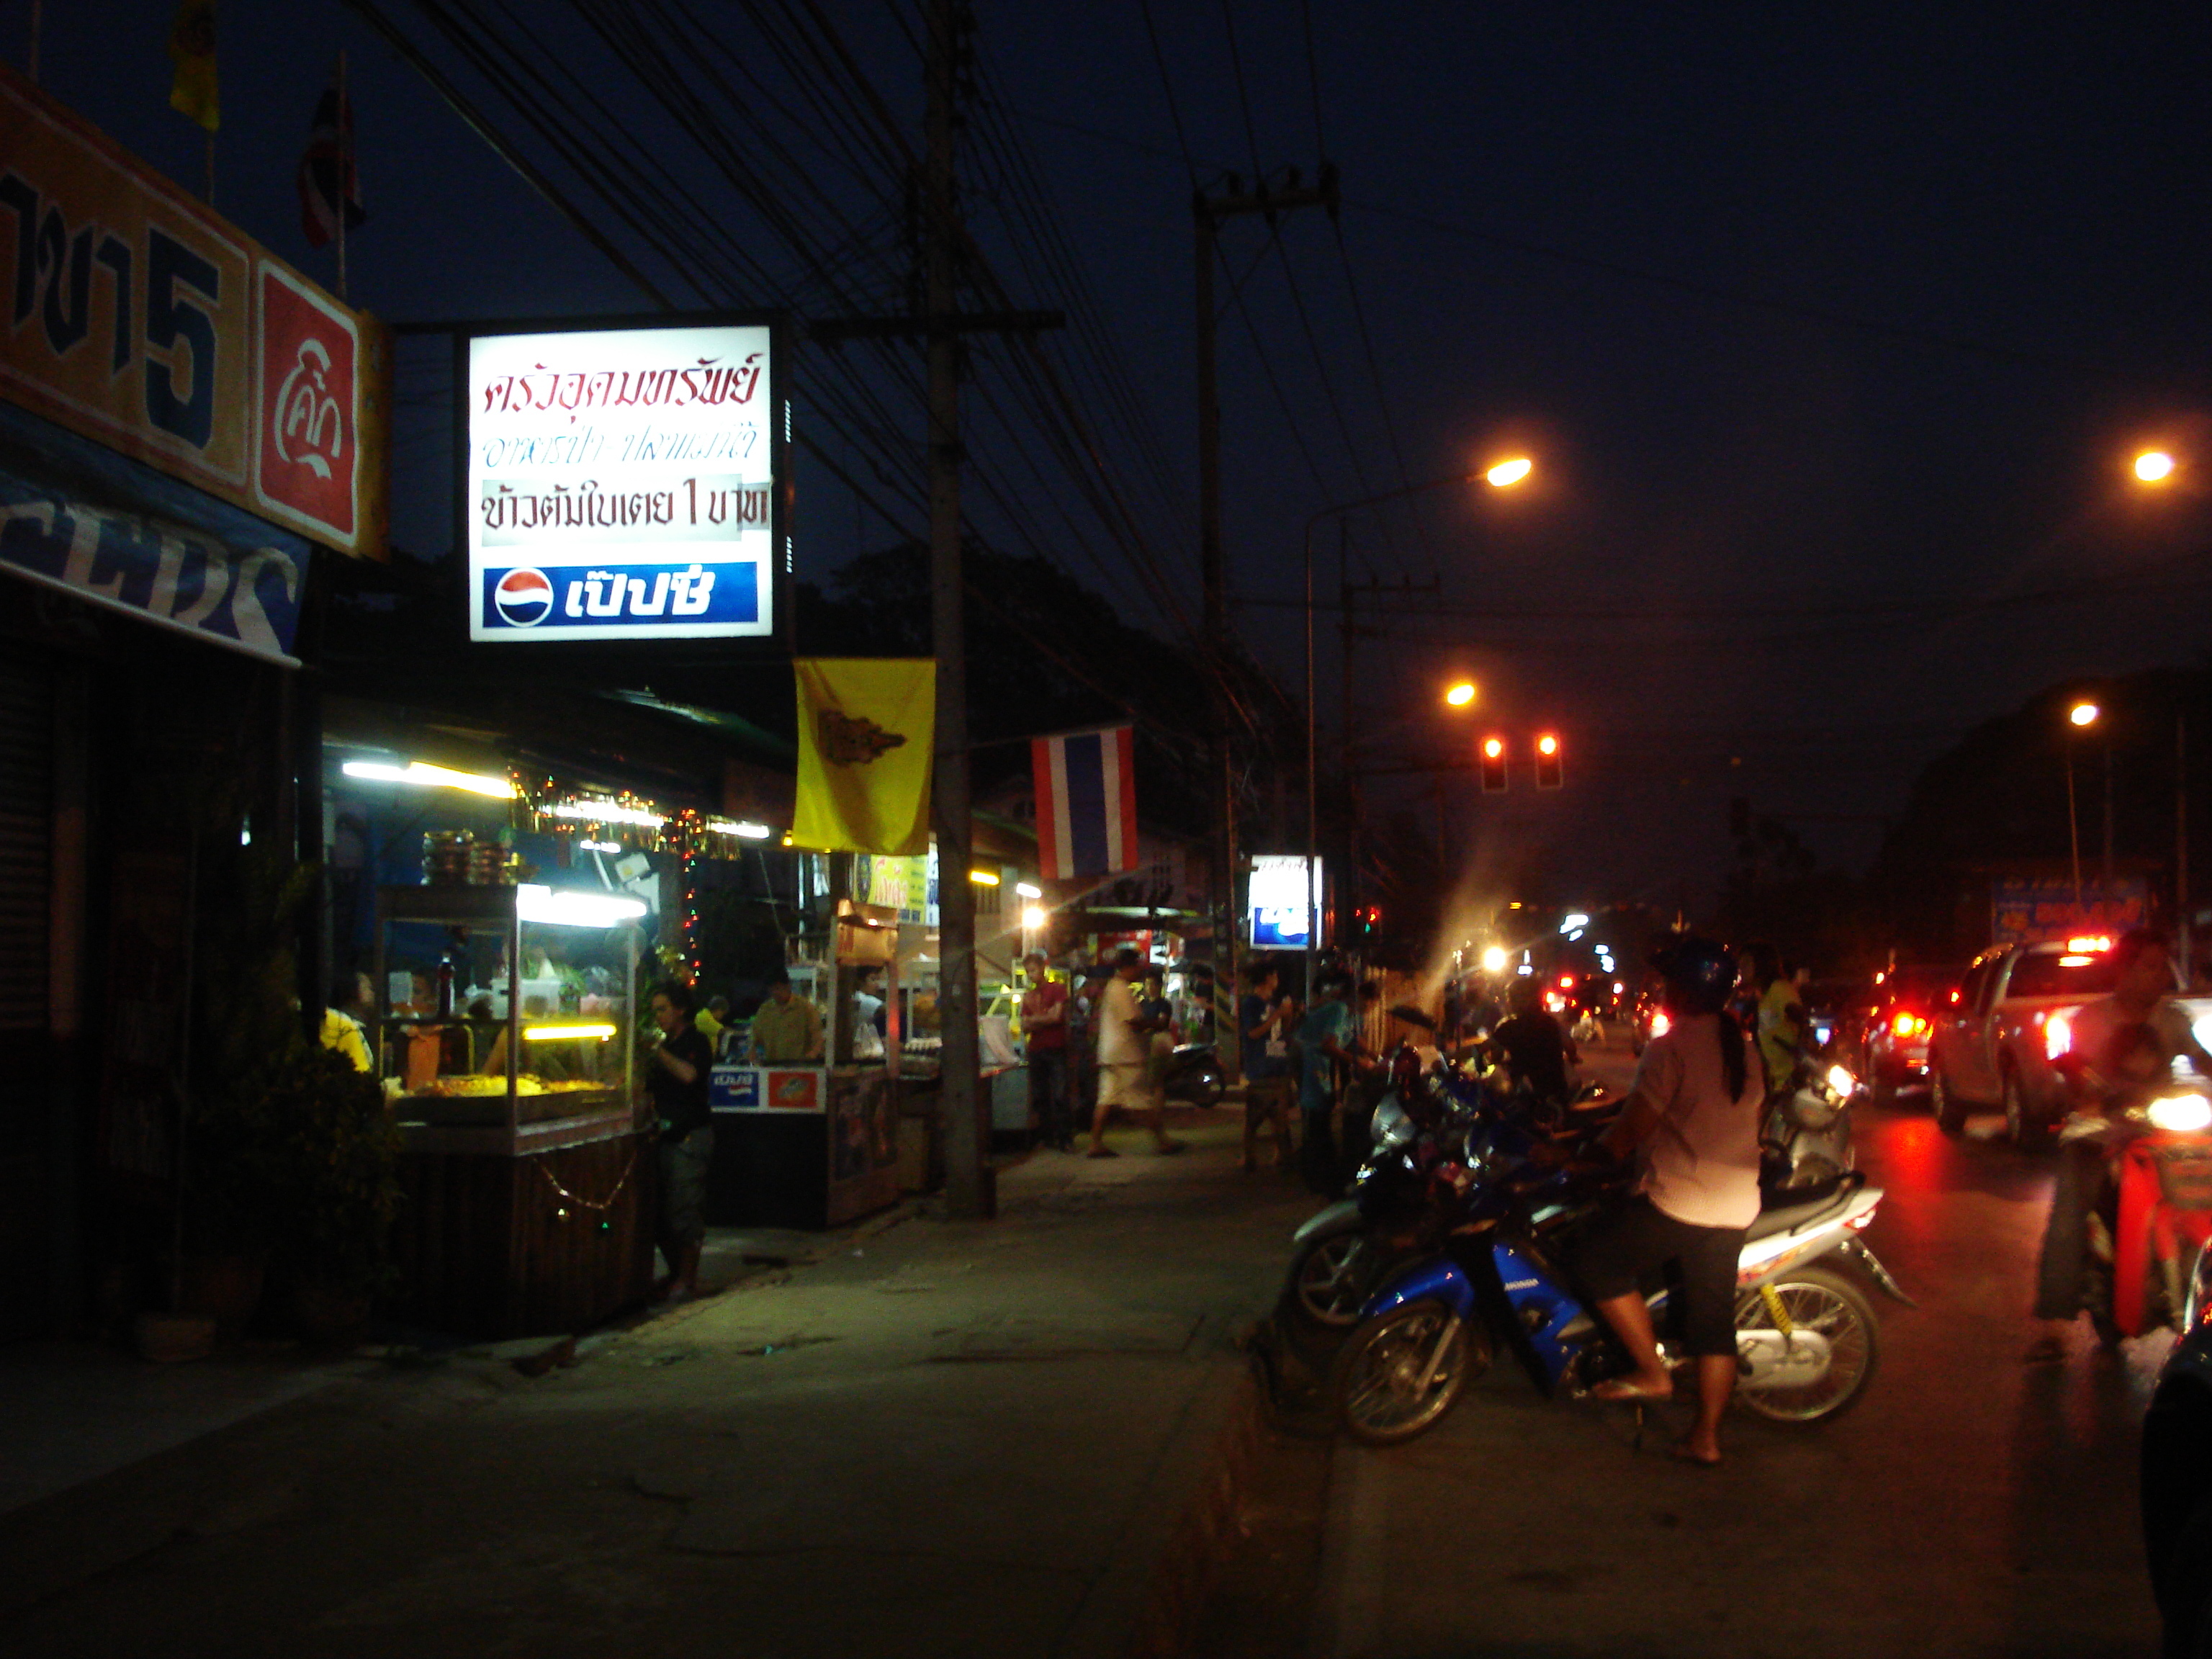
[{"x": 1831, "y": 331}]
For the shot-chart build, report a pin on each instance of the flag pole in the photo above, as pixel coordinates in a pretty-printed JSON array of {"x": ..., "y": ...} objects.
[{"x": 345, "y": 173}]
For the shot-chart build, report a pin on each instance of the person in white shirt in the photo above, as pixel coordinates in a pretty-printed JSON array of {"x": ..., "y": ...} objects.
[
  {"x": 1690, "y": 1121},
  {"x": 1125, "y": 1044}
]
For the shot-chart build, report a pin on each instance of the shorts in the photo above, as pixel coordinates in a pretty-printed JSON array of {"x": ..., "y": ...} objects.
[
  {"x": 1268, "y": 1096},
  {"x": 1639, "y": 1240},
  {"x": 684, "y": 1161}
]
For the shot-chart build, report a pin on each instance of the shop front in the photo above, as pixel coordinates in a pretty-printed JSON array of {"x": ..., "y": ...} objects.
[{"x": 174, "y": 485}]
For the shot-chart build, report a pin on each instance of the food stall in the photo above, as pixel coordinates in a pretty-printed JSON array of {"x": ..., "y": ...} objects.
[
  {"x": 815, "y": 1143},
  {"x": 505, "y": 1032}
]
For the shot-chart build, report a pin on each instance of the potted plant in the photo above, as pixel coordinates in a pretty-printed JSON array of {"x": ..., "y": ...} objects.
[{"x": 340, "y": 1151}]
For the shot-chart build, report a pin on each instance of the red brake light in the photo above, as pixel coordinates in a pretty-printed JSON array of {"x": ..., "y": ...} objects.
[{"x": 1907, "y": 1025}]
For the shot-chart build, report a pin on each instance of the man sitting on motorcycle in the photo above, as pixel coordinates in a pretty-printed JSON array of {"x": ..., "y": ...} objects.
[
  {"x": 1536, "y": 1048},
  {"x": 2120, "y": 1047},
  {"x": 1690, "y": 1121}
]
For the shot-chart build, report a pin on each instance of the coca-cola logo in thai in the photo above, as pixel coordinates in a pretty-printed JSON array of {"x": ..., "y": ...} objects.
[{"x": 309, "y": 358}]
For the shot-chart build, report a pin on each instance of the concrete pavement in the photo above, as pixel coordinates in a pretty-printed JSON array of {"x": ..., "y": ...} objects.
[{"x": 1014, "y": 1437}]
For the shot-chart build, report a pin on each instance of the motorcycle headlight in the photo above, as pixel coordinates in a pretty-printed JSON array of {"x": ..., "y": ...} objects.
[
  {"x": 2179, "y": 1114},
  {"x": 1392, "y": 1128},
  {"x": 1842, "y": 1082}
]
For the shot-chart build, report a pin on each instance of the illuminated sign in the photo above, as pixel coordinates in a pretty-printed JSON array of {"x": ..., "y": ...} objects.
[
  {"x": 623, "y": 483},
  {"x": 1277, "y": 905},
  {"x": 141, "y": 320}
]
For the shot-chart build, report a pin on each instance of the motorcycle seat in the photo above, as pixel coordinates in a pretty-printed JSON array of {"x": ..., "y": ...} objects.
[{"x": 1787, "y": 1208}]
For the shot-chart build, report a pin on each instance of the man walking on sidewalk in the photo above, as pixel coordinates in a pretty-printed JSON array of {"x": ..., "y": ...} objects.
[
  {"x": 1125, "y": 1042},
  {"x": 1044, "y": 1036},
  {"x": 1263, "y": 1021}
]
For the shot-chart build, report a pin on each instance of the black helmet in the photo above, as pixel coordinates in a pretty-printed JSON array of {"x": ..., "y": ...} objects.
[{"x": 1700, "y": 973}]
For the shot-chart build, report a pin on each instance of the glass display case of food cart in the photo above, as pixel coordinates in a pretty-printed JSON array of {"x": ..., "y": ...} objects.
[{"x": 505, "y": 1030}]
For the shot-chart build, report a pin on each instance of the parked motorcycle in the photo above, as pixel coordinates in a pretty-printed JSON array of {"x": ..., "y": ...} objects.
[
  {"x": 1806, "y": 1333},
  {"x": 1393, "y": 1207},
  {"x": 1192, "y": 1074}
]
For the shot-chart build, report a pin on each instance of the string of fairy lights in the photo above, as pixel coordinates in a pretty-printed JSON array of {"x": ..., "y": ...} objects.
[{"x": 544, "y": 804}]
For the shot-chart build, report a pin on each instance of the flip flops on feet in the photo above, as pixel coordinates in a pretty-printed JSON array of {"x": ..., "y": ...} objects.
[{"x": 1627, "y": 1390}]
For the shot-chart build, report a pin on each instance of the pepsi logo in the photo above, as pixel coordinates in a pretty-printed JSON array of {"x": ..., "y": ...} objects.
[{"x": 523, "y": 597}]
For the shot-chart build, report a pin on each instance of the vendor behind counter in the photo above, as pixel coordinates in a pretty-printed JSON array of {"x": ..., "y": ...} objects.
[{"x": 786, "y": 1030}]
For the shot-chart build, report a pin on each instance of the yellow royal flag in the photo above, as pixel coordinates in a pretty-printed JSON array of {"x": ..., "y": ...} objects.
[
  {"x": 867, "y": 741},
  {"x": 192, "y": 92}
]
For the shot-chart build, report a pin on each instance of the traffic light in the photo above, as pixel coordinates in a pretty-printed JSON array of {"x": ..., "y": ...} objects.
[
  {"x": 1547, "y": 762},
  {"x": 1367, "y": 922},
  {"x": 1493, "y": 766}
]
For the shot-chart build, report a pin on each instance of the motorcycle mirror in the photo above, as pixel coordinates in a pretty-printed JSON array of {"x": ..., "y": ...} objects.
[{"x": 1412, "y": 1015}]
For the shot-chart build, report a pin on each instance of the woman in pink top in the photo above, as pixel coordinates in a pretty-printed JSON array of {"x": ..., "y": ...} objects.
[{"x": 1690, "y": 1121}]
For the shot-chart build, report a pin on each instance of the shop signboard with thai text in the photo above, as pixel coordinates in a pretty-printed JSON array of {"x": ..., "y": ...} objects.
[
  {"x": 624, "y": 484},
  {"x": 2027, "y": 910},
  {"x": 138, "y": 318}
]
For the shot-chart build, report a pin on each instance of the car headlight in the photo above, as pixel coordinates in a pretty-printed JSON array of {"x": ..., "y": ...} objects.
[{"x": 2180, "y": 1114}]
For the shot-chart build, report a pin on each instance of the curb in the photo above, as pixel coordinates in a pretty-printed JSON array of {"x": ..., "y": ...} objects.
[{"x": 1147, "y": 1603}]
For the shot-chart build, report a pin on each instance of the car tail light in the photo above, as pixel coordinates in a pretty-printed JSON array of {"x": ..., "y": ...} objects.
[
  {"x": 2057, "y": 1035},
  {"x": 1907, "y": 1025}
]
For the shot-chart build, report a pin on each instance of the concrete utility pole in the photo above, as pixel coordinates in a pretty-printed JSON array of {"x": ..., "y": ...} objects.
[
  {"x": 1207, "y": 213},
  {"x": 969, "y": 1188},
  {"x": 1348, "y": 593}
]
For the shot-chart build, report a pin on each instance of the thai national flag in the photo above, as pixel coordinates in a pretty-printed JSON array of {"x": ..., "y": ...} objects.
[{"x": 1086, "y": 802}]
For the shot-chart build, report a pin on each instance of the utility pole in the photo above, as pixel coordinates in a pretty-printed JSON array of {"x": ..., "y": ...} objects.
[
  {"x": 970, "y": 1187},
  {"x": 1207, "y": 212},
  {"x": 1348, "y": 593}
]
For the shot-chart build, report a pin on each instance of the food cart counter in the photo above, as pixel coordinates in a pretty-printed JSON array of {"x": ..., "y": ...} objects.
[{"x": 505, "y": 1032}]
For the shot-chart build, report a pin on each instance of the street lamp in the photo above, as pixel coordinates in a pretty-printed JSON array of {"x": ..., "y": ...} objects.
[
  {"x": 2080, "y": 717},
  {"x": 2154, "y": 467},
  {"x": 1461, "y": 695},
  {"x": 1502, "y": 474}
]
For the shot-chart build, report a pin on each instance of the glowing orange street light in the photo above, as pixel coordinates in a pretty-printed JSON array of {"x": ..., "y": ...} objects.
[
  {"x": 1462, "y": 695},
  {"x": 2083, "y": 714},
  {"x": 2154, "y": 467},
  {"x": 1506, "y": 474},
  {"x": 1493, "y": 748}
]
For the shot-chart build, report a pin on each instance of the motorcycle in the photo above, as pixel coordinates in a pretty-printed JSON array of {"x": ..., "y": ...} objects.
[
  {"x": 2160, "y": 1223},
  {"x": 1391, "y": 1206},
  {"x": 1192, "y": 1074},
  {"x": 1806, "y": 1339},
  {"x": 1806, "y": 1134}
]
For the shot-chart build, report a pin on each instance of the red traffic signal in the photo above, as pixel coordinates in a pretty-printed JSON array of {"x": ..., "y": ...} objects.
[
  {"x": 1548, "y": 774},
  {"x": 1493, "y": 766}
]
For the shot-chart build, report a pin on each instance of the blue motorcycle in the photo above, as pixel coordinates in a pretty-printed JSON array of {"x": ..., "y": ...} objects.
[{"x": 1806, "y": 1339}]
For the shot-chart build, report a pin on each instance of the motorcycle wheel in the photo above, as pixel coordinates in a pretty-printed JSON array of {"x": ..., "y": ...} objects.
[
  {"x": 1815, "y": 1299},
  {"x": 1950, "y": 1110},
  {"x": 1330, "y": 1278},
  {"x": 1205, "y": 1086},
  {"x": 1377, "y": 1382}
]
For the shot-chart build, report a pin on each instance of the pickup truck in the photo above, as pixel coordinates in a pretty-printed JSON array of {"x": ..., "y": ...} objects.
[{"x": 1993, "y": 1044}]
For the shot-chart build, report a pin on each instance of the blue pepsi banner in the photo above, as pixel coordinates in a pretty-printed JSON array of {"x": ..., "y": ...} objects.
[
  {"x": 622, "y": 482},
  {"x": 614, "y": 601},
  {"x": 125, "y": 538}
]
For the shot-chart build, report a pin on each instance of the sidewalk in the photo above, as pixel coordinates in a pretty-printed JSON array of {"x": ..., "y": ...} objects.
[{"x": 1011, "y": 1437}]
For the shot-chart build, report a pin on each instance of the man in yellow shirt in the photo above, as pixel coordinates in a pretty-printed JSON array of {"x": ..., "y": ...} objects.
[
  {"x": 787, "y": 1028},
  {"x": 342, "y": 1027}
]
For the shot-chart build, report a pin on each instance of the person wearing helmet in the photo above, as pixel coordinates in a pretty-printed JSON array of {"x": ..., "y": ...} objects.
[
  {"x": 1691, "y": 1122},
  {"x": 1536, "y": 1047}
]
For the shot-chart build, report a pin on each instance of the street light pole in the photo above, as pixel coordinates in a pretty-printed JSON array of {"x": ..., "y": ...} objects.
[{"x": 1501, "y": 477}]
